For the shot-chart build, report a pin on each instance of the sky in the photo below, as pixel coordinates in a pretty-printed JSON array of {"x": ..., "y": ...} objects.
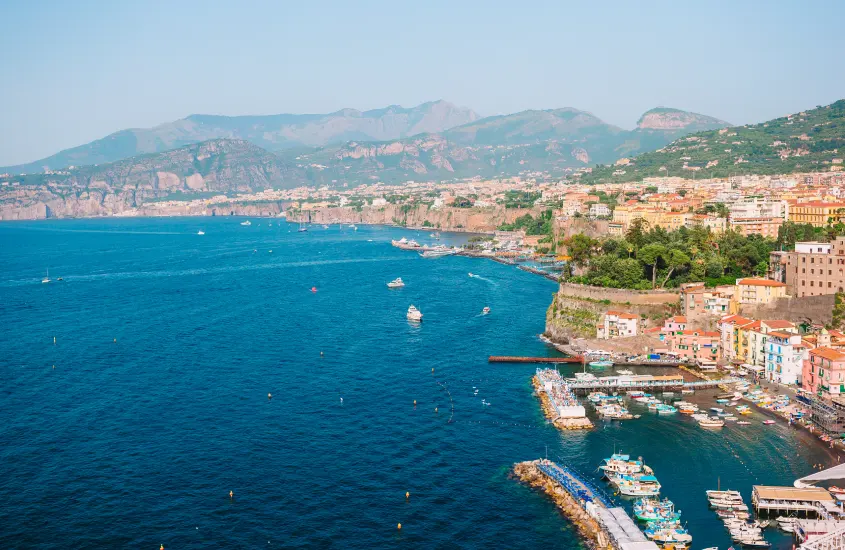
[{"x": 77, "y": 71}]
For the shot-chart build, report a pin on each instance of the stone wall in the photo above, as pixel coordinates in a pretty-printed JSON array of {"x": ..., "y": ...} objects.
[
  {"x": 620, "y": 296},
  {"x": 815, "y": 309}
]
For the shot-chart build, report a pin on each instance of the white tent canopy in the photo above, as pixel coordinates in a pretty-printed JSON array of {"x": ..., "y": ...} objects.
[{"x": 837, "y": 472}]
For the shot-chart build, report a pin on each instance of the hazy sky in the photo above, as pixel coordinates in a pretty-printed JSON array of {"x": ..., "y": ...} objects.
[{"x": 77, "y": 71}]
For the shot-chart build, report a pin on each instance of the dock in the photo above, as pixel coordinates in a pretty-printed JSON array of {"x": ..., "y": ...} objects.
[
  {"x": 784, "y": 501},
  {"x": 588, "y": 507},
  {"x": 518, "y": 359},
  {"x": 643, "y": 383}
]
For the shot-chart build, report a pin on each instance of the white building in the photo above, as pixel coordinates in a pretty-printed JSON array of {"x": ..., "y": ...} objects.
[
  {"x": 599, "y": 210},
  {"x": 785, "y": 357},
  {"x": 758, "y": 207},
  {"x": 617, "y": 324}
]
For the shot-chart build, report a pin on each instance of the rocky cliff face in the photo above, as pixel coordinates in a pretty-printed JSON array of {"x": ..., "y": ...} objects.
[
  {"x": 663, "y": 118},
  {"x": 204, "y": 169}
]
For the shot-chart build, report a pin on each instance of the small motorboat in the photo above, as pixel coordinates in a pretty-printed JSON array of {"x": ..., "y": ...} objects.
[
  {"x": 836, "y": 490},
  {"x": 200, "y": 232},
  {"x": 396, "y": 283},
  {"x": 601, "y": 364},
  {"x": 414, "y": 314},
  {"x": 246, "y": 223},
  {"x": 768, "y": 422},
  {"x": 485, "y": 311},
  {"x": 743, "y": 423}
]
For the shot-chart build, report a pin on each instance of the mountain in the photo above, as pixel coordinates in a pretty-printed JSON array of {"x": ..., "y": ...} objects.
[
  {"x": 199, "y": 170},
  {"x": 272, "y": 132},
  {"x": 807, "y": 141},
  {"x": 555, "y": 141}
]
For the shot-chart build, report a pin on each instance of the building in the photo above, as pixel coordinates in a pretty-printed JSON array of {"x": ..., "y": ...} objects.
[
  {"x": 729, "y": 335},
  {"x": 754, "y": 291},
  {"x": 695, "y": 298},
  {"x": 675, "y": 324},
  {"x": 599, "y": 210},
  {"x": 828, "y": 414},
  {"x": 767, "y": 227},
  {"x": 785, "y": 356},
  {"x": 815, "y": 269},
  {"x": 694, "y": 345},
  {"x": 714, "y": 223},
  {"x": 824, "y": 372},
  {"x": 759, "y": 207},
  {"x": 617, "y": 324},
  {"x": 817, "y": 213},
  {"x": 777, "y": 267}
]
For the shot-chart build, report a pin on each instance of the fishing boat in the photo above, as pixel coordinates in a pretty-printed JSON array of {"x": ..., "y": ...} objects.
[
  {"x": 396, "y": 283},
  {"x": 654, "y": 510},
  {"x": 666, "y": 409},
  {"x": 614, "y": 412},
  {"x": 716, "y": 409},
  {"x": 414, "y": 314},
  {"x": 622, "y": 464},
  {"x": 625, "y": 372},
  {"x": 46, "y": 279},
  {"x": 601, "y": 364},
  {"x": 246, "y": 223}
]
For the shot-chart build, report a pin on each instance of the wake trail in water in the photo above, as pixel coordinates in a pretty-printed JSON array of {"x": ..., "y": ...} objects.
[{"x": 485, "y": 279}]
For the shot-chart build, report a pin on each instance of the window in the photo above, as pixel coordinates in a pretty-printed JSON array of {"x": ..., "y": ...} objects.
[
  {"x": 812, "y": 272},
  {"x": 811, "y": 283}
]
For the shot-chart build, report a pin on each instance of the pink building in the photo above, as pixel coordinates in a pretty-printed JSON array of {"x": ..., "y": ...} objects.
[
  {"x": 675, "y": 324},
  {"x": 824, "y": 372},
  {"x": 694, "y": 345}
]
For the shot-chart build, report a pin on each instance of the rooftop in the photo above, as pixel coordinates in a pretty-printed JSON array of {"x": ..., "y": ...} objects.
[
  {"x": 769, "y": 492},
  {"x": 759, "y": 282},
  {"x": 828, "y": 353}
]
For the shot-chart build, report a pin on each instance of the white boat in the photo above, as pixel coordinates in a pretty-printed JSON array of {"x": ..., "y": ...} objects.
[
  {"x": 325, "y": 226},
  {"x": 246, "y": 223},
  {"x": 47, "y": 278},
  {"x": 485, "y": 311},
  {"x": 200, "y": 232},
  {"x": 414, "y": 314},
  {"x": 625, "y": 372},
  {"x": 711, "y": 423},
  {"x": 396, "y": 283},
  {"x": 437, "y": 252}
]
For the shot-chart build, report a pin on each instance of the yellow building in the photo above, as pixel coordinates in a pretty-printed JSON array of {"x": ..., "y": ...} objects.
[
  {"x": 624, "y": 215},
  {"x": 752, "y": 291},
  {"x": 817, "y": 213}
]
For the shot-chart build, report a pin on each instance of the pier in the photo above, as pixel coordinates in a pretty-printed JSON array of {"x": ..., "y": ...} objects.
[
  {"x": 517, "y": 359},
  {"x": 786, "y": 500},
  {"x": 643, "y": 383},
  {"x": 589, "y": 507}
]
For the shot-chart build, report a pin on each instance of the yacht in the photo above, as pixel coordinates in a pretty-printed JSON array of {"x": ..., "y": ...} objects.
[
  {"x": 200, "y": 232},
  {"x": 47, "y": 278},
  {"x": 396, "y": 283},
  {"x": 247, "y": 223},
  {"x": 485, "y": 311},
  {"x": 437, "y": 252},
  {"x": 414, "y": 314}
]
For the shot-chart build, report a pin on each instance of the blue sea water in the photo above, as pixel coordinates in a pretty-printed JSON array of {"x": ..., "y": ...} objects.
[{"x": 130, "y": 430}]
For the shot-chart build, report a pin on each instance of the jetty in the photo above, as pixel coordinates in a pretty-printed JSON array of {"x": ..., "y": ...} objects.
[
  {"x": 641, "y": 382},
  {"x": 592, "y": 512},
  {"x": 559, "y": 402},
  {"x": 789, "y": 500},
  {"x": 518, "y": 359}
]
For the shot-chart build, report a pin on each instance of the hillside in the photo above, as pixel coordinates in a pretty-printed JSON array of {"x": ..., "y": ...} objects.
[
  {"x": 271, "y": 132},
  {"x": 199, "y": 170},
  {"x": 808, "y": 141}
]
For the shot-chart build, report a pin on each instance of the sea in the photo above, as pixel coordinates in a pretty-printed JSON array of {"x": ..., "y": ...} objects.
[{"x": 167, "y": 369}]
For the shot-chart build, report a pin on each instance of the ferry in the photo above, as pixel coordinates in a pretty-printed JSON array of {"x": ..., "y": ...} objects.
[
  {"x": 246, "y": 223},
  {"x": 396, "y": 283},
  {"x": 414, "y": 314},
  {"x": 438, "y": 252}
]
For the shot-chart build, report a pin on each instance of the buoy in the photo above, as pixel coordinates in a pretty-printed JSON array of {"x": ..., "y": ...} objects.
[
  {"x": 231, "y": 495},
  {"x": 321, "y": 354},
  {"x": 407, "y": 495},
  {"x": 432, "y": 369},
  {"x": 54, "y": 366},
  {"x": 415, "y": 401},
  {"x": 54, "y": 340},
  {"x": 435, "y": 409},
  {"x": 269, "y": 396},
  {"x": 115, "y": 340},
  {"x": 162, "y": 547},
  {"x": 399, "y": 526},
  {"x": 313, "y": 289}
]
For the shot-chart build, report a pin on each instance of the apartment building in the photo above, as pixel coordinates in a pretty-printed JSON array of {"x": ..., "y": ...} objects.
[
  {"x": 754, "y": 291},
  {"x": 695, "y": 299},
  {"x": 815, "y": 269},
  {"x": 694, "y": 345},
  {"x": 729, "y": 335},
  {"x": 767, "y": 227},
  {"x": 785, "y": 356},
  {"x": 817, "y": 213},
  {"x": 617, "y": 324},
  {"x": 824, "y": 372}
]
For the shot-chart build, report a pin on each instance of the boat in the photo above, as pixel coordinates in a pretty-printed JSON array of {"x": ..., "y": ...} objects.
[
  {"x": 622, "y": 464},
  {"x": 59, "y": 279},
  {"x": 601, "y": 364},
  {"x": 717, "y": 409},
  {"x": 653, "y": 510},
  {"x": 47, "y": 278},
  {"x": 485, "y": 311},
  {"x": 743, "y": 423},
  {"x": 200, "y": 232},
  {"x": 614, "y": 412},
  {"x": 396, "y": 283},
  {"x": 247, "y": 223},
  {"x": 325, "y": 226},
  {"x": 711, "y": 422},
  {"x": 437, "y": 252},
  {"x": 414, "y": 314},
  {"x": 836, "y": 490},
  {"x": 666, "y": 409},
  {"x": 471, "y": 275},
  {"x": 768, "y": 422},
  {"x": 625, "y": 372},
  {"x": 597, "y": 397}
]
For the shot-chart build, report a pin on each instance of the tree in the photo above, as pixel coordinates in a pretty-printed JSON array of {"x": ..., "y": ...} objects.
[
  {"x": 650, "y": 255},
  {"x": 675, "y": 259},
  {"x": 636, "y": 233},
  {"x": 580, "y": 248}
]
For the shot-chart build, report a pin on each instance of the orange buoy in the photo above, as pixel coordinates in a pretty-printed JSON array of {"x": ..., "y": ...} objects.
[
  {"x": 407, "y": 495},
  {"x": 231, "y": 495},
  {"x": 399, "y": 526}
]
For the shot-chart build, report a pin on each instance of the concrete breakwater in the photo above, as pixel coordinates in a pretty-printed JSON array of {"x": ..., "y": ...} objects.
[
  {"x": 588, "y": 527},
  {"x": 559, "y": 405}
]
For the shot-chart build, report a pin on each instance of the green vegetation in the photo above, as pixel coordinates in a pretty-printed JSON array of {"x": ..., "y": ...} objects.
[
  {"x": 805, "y": 142},
  {"x": 520, "y": 199},
  {"x": 463, "y": 202},
  {"x": 655, "y": 258},
  {"x": 542, "y": 225},
  {"x": 838, "y": 311}
]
